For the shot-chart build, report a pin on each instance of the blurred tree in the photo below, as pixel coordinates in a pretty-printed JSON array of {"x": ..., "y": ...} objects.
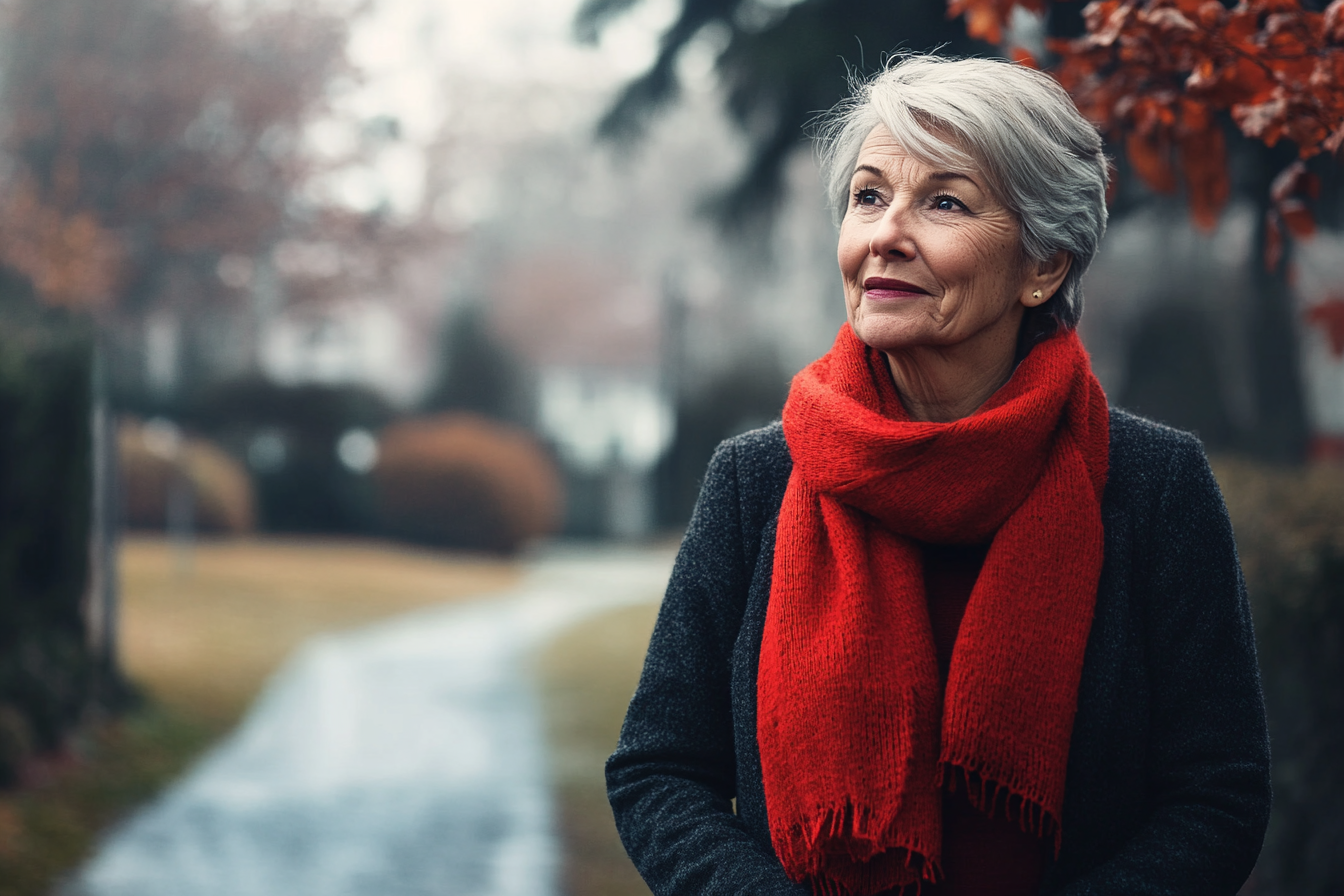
[
  {"x": 780, "y": 64},
  {"x": 158, "y": 173},
  {"x": 1172, "y": 344},
  {"x": 147, "y": 139},
  {"x": 1169, "y": 80},
  {"x": 47, "y": 670},
  {"x": 1172, "y": 80},
  {"x": 476, "y": 372}
]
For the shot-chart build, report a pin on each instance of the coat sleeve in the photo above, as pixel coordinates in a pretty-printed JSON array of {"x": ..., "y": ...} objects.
[
  {"x": 1208, "y": 754},
  {"x": 672, "y": 779}
]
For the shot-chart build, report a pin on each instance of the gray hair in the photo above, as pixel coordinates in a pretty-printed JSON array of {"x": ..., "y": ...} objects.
[{"x": 1016, "y": 126}]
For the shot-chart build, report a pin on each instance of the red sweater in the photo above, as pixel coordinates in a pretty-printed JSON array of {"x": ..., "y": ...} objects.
[{"x": 982, "y": 856}]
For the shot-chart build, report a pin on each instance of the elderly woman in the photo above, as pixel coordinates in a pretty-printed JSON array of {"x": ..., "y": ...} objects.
[{"x": 954, "y": 626}]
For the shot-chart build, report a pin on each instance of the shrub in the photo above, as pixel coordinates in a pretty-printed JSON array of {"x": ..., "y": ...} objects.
[
  {"x": 1290, "y": 535},
  {"x": 458, "y": 480},
  {"x": 220, "y": 489}
]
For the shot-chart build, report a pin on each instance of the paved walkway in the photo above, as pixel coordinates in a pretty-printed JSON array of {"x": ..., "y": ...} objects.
[{"x": 405, "y": 759}]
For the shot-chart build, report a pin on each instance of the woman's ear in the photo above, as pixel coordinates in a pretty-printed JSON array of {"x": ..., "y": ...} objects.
[{"x": 1046, "y": 278}]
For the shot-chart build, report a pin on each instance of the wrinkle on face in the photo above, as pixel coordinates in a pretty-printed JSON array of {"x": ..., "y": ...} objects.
[{"x": 947, "y": 235}]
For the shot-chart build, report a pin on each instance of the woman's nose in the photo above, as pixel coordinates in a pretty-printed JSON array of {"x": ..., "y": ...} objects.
[{"x": 891, "y": 234}]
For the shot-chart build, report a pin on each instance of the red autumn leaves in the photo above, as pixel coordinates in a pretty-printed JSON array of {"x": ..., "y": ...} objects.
[
  {"x": 1288, "y": 209},
  {"x": 1329, "y": 317},
  {"x": 1160, "y": 72}
]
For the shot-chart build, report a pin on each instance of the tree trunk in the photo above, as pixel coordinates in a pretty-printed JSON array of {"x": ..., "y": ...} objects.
[{"x": 1281, "y": 428}]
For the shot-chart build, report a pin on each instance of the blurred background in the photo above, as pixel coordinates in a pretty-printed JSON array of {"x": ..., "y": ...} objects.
[{"x": 315, "y": 313}]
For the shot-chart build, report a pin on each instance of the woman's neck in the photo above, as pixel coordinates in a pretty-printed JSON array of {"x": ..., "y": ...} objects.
[{"x": 941, "y": 384}]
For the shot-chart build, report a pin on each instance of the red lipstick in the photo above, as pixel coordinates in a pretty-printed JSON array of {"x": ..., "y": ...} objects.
[{"x": 886, "y": 288}]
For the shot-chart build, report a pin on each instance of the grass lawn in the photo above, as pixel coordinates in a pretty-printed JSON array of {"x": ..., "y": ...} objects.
[
  {"x": 203, "y": 636},
  {"x": 200, "y": 634},
  {"x": 587, "y": 676}
]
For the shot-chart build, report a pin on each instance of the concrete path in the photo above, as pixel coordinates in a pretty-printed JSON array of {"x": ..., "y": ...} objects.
[{"x": 405, "y": 759}]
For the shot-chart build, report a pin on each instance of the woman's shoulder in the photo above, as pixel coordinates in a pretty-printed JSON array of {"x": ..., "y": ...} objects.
[
  {"x": 761, "y": 457},
  {"x": 758, "y": 463},
  {"x": 764, "y": 448},
  {"x": 1150, "y": 461},
  {"x": 1140, "y": 445}
]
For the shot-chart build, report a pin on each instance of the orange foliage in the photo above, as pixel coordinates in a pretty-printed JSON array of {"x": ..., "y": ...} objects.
[
  {"x": 144, "y": 139},
  {"x": 1288, "y": 210},
  {"x": 71, "y": 261},
  {"x": 1159, "y": 72},
  {"x": 986, "y": 19}
]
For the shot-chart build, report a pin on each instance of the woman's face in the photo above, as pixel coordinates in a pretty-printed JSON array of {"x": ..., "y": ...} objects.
[{"x": 929, "y": 258}]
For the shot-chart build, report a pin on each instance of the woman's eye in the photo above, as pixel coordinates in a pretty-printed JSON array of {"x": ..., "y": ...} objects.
[
  {"x": 946, "y": 204},
  {"x": 867, "y": 196}
]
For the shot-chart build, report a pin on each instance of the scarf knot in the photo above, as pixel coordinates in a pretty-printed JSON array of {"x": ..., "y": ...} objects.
[{"x": 857, "y": 735}]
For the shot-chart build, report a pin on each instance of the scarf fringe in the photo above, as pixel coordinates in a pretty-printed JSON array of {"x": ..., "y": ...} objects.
[
  {"x": 840, "y": 855},
  {"x": 825, "y": 887},
  {"x": 986, "y": 795}
]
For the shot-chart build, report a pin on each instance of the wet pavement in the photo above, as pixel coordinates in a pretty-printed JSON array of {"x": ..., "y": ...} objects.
[{"x": 404, "y": 759}]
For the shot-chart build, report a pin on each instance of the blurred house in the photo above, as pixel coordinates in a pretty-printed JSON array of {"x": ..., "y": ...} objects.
[
  {"x": 611, "y": 428},
  {"x": 366, "y": 342}
]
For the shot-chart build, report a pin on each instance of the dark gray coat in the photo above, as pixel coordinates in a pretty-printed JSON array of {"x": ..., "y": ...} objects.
[{"x": 1168, "y": 775}]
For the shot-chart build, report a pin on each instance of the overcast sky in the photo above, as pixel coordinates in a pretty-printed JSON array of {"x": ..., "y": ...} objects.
[{"x": 413, "y": 52}]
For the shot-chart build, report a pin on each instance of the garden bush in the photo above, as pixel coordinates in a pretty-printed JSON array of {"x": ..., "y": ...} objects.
[
  {"x": 461, "y": 481},
  {"x": 1290, "y": 535},
  {"x": 220, "y": 489}
]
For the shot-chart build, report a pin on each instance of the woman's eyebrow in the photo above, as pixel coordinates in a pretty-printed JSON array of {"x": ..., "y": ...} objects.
[
  {"x": 939, "y": 176},
  {"x": 944, "y": 176}
]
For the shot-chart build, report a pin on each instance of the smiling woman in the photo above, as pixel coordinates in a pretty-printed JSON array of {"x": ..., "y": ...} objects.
[
  {"x": 935, "y": 276},
  {"x": 954, "y": 626}
]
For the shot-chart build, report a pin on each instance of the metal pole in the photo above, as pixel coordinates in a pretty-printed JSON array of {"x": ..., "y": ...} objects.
[{"x": 101, "y": 605}]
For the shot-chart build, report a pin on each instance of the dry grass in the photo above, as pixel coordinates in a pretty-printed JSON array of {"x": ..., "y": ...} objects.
[
  {"x": 203, "y": 633},
  {"x": 587, "y": 677},
  {"x": 47, "y": 826}
]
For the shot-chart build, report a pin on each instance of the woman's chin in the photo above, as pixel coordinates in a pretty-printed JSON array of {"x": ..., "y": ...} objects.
[
  {"x": 896, "y": 325},
  {"x": 890, "y": 334}
]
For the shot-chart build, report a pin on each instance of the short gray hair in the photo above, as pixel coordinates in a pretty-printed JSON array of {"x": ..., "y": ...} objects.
[{"x": 1015, "y": 125}]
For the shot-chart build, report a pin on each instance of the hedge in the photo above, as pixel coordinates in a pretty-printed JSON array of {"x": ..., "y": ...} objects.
[
  {"x": 1290, "y": 535},
  {"x": 45, "y": 665}
]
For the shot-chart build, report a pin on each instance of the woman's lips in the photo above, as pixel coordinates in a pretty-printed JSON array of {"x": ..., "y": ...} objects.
[{"x": 883, "y": 288}]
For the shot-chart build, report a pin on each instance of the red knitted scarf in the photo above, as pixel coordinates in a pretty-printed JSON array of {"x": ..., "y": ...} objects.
[{"x": 855, "y": 737}]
